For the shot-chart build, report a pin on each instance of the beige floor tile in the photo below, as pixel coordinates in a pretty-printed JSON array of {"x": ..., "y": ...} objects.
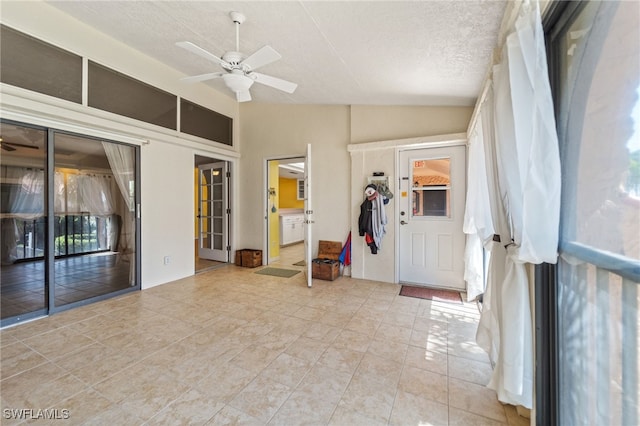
[
  {"x": 394, "y": 351},
  {"x": 326, "y": 382},
  {"x": 307, "y": 349},
  {"x": 58, "y": 342},
  {"x": 230, "y": 416},
  {"x": 513, "y": 418},
  {"x": 346, "y": 352},
  {"x": 344, "y": 360},
  {"x": 410, "y": 409},
  {"x": 383, "y": 370},
  {"x": 352, "y": 340},
  {"x": 261, "y": 398},
  {"x": 424, "y": 383},
  {"x": 370, "y": 397},
  {"x": 459, "y": 417},
  {"x": 287, "y": 370},
  {"x": 18, "y": 357},
  {"x": 16, "y": 387},
  {"x": 469, "y": 370},
  {"x": 345, "y": 416},
  {"x": 225, "y": 383},
  {"x": 475, "y": 399},
  {"x": 426, "y": 360},
  {"x": 393, "y": 333},
  {"x": 191, "y": 408}
]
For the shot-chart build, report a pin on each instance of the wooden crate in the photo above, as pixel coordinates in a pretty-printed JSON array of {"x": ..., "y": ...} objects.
[
  {"x": 326, "y": 266},
  {"x": 329, "y": 249},
  {"x": 325, "y": 269},
  {"x": 249, "y": 258}
]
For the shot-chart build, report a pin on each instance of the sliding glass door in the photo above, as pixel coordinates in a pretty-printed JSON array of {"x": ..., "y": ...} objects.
[
  {"x": 595, "y": 64},
  {"x": 23, "y": 219},
  {"x": 69, "y": 226},
  {"x": 94, "y": 218}
]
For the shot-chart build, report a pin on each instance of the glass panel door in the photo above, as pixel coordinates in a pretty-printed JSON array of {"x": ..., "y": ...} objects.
[
  {"x": 95, "y": 223},
  {"x": 23, "y": 221},
  {"x": 213, "y": 214}
]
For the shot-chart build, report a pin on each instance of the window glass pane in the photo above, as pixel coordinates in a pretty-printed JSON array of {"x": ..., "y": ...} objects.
[
  {"x": 35, "y": 65},
  {"x": 112, "y": 91},
  {"x": 22, "y": 219},
  {"x": 94, "y": 226},
  {"x": 200, "y": 121},
  {"x": 602, "y": 156},
  {"x": 431, "y": 187},
  {"x": 599, "y": 128}
]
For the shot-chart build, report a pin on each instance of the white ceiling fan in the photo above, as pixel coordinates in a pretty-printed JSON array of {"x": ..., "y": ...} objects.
[{"x": 239, "y": 69}]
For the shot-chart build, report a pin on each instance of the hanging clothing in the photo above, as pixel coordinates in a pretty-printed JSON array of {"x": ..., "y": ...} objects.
[{"x": 373, "y": 218}]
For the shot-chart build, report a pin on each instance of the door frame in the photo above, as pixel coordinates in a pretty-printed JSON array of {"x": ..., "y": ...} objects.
[
  {"x": 397, "y": 206},
  {"x": 265, "y": 199},
  {"x": 232, "y": 168}
]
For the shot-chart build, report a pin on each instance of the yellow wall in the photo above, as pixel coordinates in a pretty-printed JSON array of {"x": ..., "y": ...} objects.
[
  {"x": 274, "y": 217},
  {"x": 289, "y": 194}
]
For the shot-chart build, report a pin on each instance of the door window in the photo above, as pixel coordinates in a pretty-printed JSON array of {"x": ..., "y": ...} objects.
[{"x": 431, "y": 187}]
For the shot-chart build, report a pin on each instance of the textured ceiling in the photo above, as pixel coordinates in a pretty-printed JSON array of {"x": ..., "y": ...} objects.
[{"x": 345, "y": 52}]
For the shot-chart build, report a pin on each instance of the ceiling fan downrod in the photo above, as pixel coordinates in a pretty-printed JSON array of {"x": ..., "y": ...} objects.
[{"x": 237, "y": 18}]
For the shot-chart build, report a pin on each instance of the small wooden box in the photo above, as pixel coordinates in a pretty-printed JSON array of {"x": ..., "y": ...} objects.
[
  {"x": 325, "y": 269},
  {"x": 327, "y": 266},
  {"x": 249, "y": 258}
]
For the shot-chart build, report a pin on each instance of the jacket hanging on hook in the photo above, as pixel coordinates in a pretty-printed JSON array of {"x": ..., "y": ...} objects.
[{"x": 373, "y": 218}]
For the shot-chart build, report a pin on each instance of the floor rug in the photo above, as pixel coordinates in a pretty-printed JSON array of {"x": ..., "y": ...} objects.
[
  {"x": 431, "y": 294},
  {"x": 301, "y": 263},
  {"x": 278, "y": 272}
]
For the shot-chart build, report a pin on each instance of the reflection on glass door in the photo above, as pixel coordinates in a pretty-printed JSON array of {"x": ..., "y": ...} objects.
[
  {"x": 23, "y": 220},
  {"x": 94, "y": 225}
]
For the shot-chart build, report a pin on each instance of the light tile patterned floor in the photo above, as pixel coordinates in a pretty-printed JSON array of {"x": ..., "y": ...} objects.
[{"x": 233, "y": 347}]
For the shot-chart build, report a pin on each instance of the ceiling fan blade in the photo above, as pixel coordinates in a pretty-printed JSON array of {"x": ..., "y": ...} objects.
[
  {"x": 243, "y": 96},
  {"x": 202, "y": 77},
  {"x": 276, "y": 83},
  {"x": 12, "y": 145},
  {"x": 187, "y": 45},
  {"x": 261, "y": 57}
]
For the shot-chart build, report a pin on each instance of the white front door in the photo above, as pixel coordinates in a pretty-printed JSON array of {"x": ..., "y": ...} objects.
[
  {"x": 432, "y": 194},
  {"x": 213, "y": 211}
]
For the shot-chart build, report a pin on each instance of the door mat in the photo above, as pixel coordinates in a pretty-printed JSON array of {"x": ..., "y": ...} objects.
[
  {"x": 301, "y": 263},
  {"x": 278, "y": 272},
  {"x": 449, "y": 296}
]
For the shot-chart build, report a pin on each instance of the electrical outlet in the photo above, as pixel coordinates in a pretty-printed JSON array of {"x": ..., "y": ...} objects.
[{"x": 167, "y": 259}]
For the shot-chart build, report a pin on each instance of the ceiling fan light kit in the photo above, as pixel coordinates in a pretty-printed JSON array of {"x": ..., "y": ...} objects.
[{"x": 239, "y": 69}]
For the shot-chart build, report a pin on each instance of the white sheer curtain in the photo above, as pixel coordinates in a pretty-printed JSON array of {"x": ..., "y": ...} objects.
[
  {"x": 122, "y": 162},
  {"x": 96, "y": 195},
  {"x": 25, "y": 200},
  {"x": 523, "y": 181}
]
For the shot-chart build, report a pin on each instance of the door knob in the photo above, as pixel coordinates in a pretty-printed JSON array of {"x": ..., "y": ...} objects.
[{"x": 402, "y": 222}]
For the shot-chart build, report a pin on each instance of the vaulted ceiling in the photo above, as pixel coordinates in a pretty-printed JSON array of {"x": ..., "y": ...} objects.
[{"x": 345, "y": 52}]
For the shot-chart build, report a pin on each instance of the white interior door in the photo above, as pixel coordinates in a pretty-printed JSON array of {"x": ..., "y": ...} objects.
[
  {"x": 308, "y": 217},
  {"x": 432, "y": 192},
  {"x": 213, "y": 212}
]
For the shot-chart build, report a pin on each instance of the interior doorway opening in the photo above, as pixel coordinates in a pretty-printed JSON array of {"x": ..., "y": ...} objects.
[
  {"x": 212, "y": 208},
  {"x": 285, "y": 195}
]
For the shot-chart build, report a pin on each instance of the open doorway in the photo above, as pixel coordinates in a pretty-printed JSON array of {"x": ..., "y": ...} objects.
[
  {"x": 285, "y": 211},
  {"x": 213, "y": 212}
]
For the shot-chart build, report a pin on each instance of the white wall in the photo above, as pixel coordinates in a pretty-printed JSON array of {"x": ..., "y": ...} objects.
[
  {"x": 377, "y": 131},
  {"x": 269, "y": 131},
  {"x": 167, "y": 161}
]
